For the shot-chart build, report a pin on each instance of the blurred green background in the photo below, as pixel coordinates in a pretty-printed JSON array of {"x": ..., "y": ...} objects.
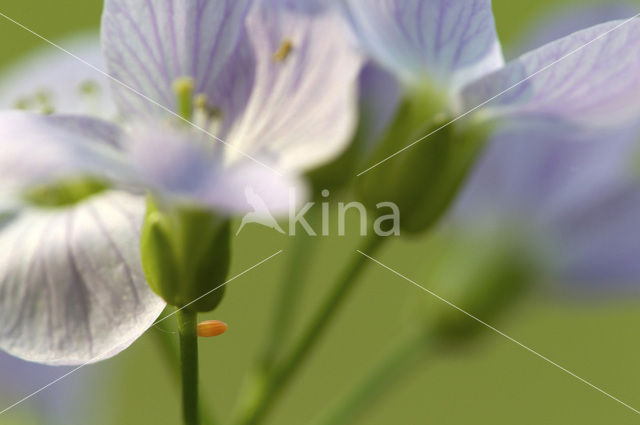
[{"x": 492, "y": 382}]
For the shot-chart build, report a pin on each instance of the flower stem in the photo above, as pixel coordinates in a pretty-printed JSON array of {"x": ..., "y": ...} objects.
[
  {"x": 389, "y": 372},
  {"x": 169, "y": 351},
  {"x": 287, "y": 301},
  {"x": 187, "y": 323},
  {"x": 259, "y": 406}
]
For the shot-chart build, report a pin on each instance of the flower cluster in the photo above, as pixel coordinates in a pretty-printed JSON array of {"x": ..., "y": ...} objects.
[{"x": 212, "y": 97}]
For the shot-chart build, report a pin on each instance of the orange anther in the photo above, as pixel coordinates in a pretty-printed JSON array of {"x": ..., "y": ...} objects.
[{"x": 210, "y": 328}]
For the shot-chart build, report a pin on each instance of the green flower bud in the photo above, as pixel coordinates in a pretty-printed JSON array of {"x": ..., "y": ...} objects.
[
  {"x": 185, "y": 255},
  {"x": 424, "y": 179},
  {"x": 483, "y": 277}
]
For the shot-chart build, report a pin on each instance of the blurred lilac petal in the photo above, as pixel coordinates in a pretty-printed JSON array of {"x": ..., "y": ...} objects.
[
  {"x": 379, "y": 99},
  {"x": 575, "y": 195},
  {"x": 231, "y": 89},
  {"x": 66, "y": 404},
  {"x": 149, "y": 44},
  {"x": 49, "y": 79},
  {"x": 588, "y": 78},
  {"x": 189, "y": 169},
  {"x": 42, "y": 148},
  {"x": 302, "y": 111},
  {"x": 451, "y": 41},
  {"x": 565, "y": 20},
  {"x": 72, "y": 288}
]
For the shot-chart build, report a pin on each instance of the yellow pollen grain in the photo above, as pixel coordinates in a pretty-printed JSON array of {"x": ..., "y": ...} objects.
[
  {"x": 201, "y": 102},
  {"x": 284, "y": 51}
]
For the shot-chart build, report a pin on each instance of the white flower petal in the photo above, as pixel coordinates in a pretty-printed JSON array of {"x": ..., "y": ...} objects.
[
  {"x": 302, "y": 111},
  {"x": 72, "y": 288}
]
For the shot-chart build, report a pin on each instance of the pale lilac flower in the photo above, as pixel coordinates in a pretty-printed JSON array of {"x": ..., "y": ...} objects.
[
  {"x": 453, "y": 46},
  {"x": 70, "y": 277},
  {"x": 572, "y": 201},
  {"x": 446, "y": 43},
  {"x": 571, "y": 194},
  {"x": 277, "y": 82},
  {"x": 562, "y": 168}
]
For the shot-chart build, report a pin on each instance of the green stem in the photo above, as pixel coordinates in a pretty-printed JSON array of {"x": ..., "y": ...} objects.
[
  {"x": 290, "y": 293},
  {"x": 169, "y": 350},
  {"x": 380, "y": 381},
  {"x": 187, "y": 329},
  {"x": 277, "y": 381}
]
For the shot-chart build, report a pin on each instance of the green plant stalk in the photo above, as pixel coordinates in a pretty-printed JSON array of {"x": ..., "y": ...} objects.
[
  {"x": 169, "y": 350},
  {"x": 187, "y": 330},
  {"x": 268, "y": 393},
  {"x": 290, "y": 294},
  {"x": 380, "y": 381}
]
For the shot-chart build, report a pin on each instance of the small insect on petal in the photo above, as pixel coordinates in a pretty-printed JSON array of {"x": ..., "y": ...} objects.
[{"x": 211, "y": 328}]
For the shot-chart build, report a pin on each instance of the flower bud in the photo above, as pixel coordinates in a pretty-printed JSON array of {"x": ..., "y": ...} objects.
[
  {"x": 185, "y": 255},
  {"x": 482, "y": 277},
  {"x": 424, "y": 179}
]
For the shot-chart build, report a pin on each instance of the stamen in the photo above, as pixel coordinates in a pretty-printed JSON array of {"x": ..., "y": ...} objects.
[
  {"x": 201, "y": 101},
  {"x": 47, "y": 109},
  {"x": 183, "y": 88},
  {"x": 89, "y": 87},
  {"x": 283, "y": 52},
  {"x": 211, "y": 328},
  {"x": 207, "y": 115},
  {"x": 44, "y": 98},
  {"x": 23, "y": 103}
]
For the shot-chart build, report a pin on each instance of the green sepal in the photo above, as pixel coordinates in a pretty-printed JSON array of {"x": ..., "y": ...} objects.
[
  {"x": 185, "y": 255},
  {"x": 424, "y": 179}
]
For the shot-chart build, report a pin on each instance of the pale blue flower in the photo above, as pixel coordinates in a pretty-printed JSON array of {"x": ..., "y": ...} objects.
[
  {"x": 573, "y": 201},
  {"x": 562, "y": 170},
  {"x": 571, "y": 194},
  {"x": 276, "y": 82},
  {"x": 453, "y": 45}
]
